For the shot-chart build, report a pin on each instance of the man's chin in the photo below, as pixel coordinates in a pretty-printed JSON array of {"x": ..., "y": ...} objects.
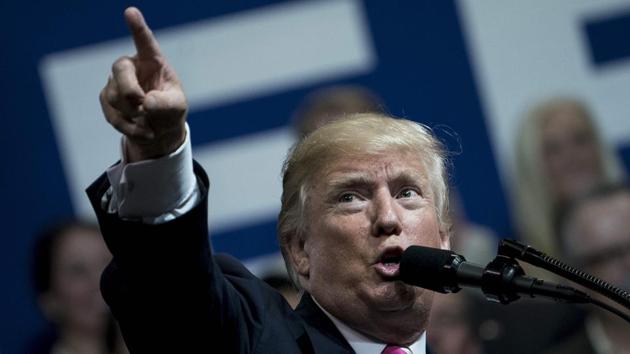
[{"x": 397, "y": 296}]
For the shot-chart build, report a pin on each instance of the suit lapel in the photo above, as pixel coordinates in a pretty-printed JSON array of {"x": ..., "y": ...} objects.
[{"x": 323, "y": 335}]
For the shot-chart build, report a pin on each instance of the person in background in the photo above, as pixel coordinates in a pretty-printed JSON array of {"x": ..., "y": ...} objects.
[
  {"x": 560, "y": 154},
  {"x": 331, "y": 103},
  {"x": 595, "y": 235},
  {"x": 475, "y": 242},
  {"x": 450, "y": 328},
  {"x": 67, "y": 262}
]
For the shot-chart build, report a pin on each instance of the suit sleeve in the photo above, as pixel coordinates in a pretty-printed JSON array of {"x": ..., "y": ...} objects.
[{"x": 166, "y": 289}]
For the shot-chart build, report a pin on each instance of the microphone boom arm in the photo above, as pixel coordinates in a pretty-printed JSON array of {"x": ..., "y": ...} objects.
[
  {"x": 511, "y": 250},
  {"x": 503, "y": 280},
  {"x": 527, "y": 254}
]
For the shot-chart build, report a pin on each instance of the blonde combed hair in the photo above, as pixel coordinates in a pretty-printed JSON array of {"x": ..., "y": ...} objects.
[{"x": 361, "y": 134}]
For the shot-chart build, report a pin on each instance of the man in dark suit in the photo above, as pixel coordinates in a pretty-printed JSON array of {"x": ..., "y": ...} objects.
[{"x": 356, "y": 194}]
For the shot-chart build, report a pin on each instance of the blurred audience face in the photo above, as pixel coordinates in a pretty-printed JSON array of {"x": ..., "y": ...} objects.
[
  {"x": 570, "y": 154},
  {"x": 74, "y": 300},
  {"x": 598, "y": 238},
  {"x": 449, "y": 330},
  {"x": 331, "y": 103}
]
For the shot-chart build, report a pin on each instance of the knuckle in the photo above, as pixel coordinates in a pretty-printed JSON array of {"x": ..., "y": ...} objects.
[
  {"x": 112, "y": 121},
  {"x": 112, "y": 97},
  {"x": 102, "y": 96},
  {"x": 180, "y": 108},
  {"x": 160, "y": 60},
  {"x": 109, "y": 93},
  {"x": 120, "y": 64}
]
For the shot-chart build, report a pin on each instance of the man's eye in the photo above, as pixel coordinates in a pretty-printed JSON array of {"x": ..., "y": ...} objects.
[
  {"x": 407, "y": 193},
  {"x": 347, "y": 198}
]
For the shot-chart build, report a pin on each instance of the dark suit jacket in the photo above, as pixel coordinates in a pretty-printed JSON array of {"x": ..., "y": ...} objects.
[
  {"x": 577, "y": 343},
  {"x": 171, "y": 294}
]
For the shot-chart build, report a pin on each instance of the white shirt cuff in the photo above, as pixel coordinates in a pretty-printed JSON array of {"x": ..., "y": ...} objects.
[{"x": 156, "y": 190}]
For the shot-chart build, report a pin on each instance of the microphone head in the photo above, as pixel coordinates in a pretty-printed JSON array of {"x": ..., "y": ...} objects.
[{"x": 429, "y": 268}]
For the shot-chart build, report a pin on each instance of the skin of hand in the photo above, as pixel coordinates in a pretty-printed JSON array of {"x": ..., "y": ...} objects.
[{"x": 143, "y": 98}]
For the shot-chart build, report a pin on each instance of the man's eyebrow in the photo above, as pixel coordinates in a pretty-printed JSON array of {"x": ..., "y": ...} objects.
[
  {"x": 348, "y": 181},
  {"x": 356, "y": 180},
  {"x": 408, "y": 177}
]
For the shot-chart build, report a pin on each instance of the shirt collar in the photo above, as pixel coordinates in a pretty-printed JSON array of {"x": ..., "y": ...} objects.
[{"x": 361, "y": 344}]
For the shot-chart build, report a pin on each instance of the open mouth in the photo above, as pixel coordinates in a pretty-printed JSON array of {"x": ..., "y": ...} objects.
[{"x": 388, "y": 264}]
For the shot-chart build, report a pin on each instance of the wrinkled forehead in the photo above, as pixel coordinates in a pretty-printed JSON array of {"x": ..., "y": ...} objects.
[{"x": 369, "y": 168}]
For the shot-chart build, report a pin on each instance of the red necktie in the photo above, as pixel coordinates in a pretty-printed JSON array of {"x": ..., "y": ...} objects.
[{"x": 394, "y": 349}]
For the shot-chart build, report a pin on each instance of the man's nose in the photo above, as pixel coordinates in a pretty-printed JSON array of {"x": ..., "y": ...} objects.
[{"x": 386, "y": 218}]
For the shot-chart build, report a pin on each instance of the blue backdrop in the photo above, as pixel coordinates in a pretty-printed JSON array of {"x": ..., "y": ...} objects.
[{"x": 423, "y": 72}]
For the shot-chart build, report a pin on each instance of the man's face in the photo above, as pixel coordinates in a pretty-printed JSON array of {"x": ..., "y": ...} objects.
[
  {"x": 600, "y": 238},
  {"x": 450, "y": 330},
  {"x": 363, "y": 213},
  {"x": 78, "y": 261}
]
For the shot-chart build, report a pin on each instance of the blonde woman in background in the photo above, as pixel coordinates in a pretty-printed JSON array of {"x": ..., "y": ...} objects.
[{"x": 559, "y": 156}]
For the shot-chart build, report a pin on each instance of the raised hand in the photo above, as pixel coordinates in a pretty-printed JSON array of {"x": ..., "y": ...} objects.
[{"x": 143, "y": 98}]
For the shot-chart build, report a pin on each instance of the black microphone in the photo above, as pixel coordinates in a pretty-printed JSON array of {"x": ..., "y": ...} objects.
[{"x": 502, "y": 280}]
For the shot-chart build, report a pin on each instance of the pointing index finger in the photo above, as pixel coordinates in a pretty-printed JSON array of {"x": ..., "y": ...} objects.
[{"x": 146, "y": 44}]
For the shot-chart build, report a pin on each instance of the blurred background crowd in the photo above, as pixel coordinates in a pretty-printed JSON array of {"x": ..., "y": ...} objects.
[{"x": 532, "y": 99}]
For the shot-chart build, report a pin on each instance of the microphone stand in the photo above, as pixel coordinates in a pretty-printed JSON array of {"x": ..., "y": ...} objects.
[{"x": 504, "y": 279}]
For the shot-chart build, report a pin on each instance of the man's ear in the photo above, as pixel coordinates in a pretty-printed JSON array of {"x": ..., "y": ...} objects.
[{"x": 299, "y": 255}]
